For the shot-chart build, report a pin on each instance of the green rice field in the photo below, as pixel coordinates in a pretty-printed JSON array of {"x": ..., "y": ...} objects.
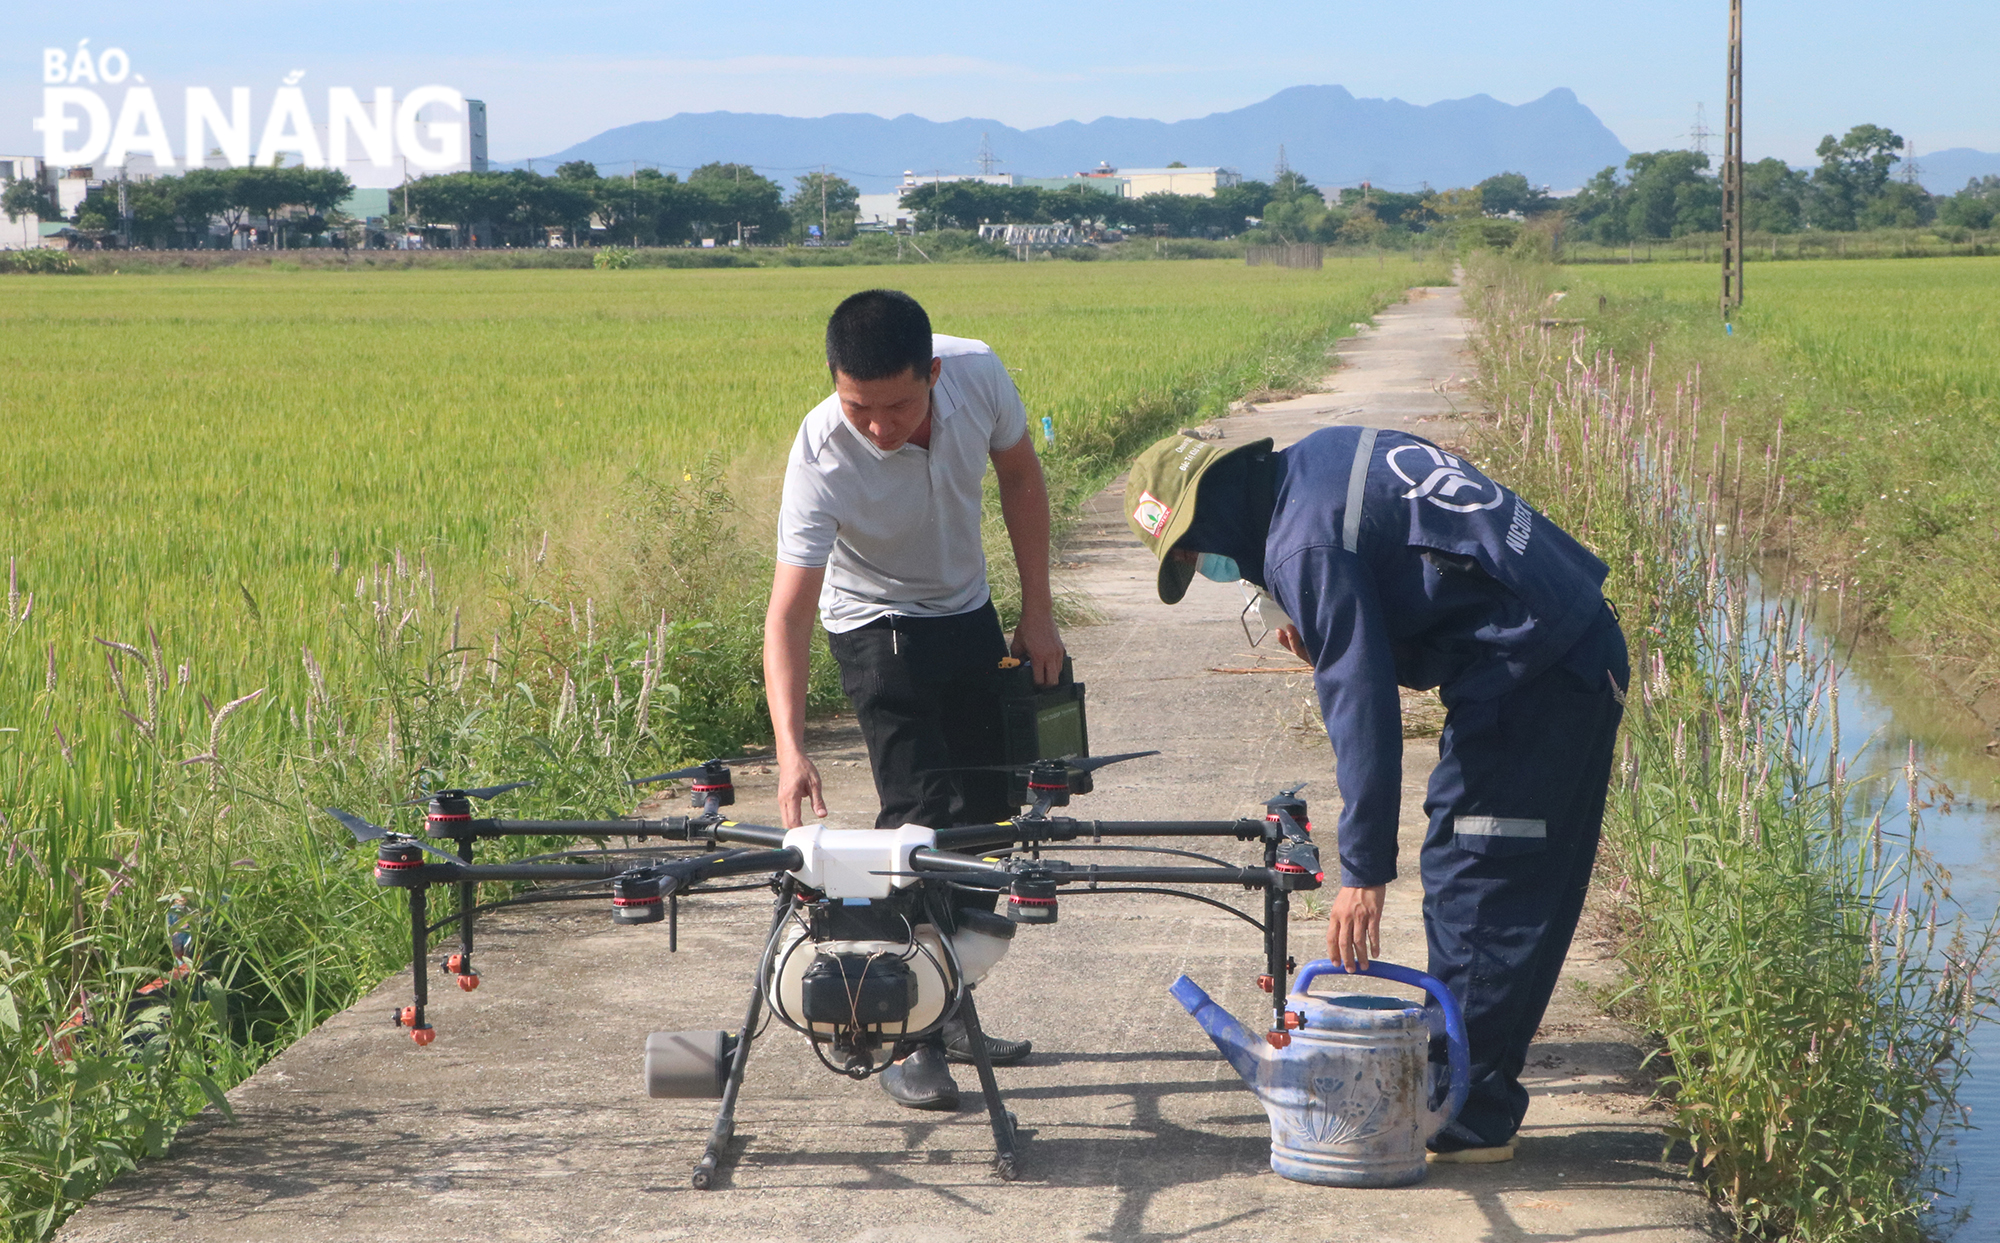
[
  {"x": 277, "y": 540},
  {"x": 1884, "y": 379}
]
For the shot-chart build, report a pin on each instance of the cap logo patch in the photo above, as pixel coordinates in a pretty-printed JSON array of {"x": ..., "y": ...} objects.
[{"x": 1152, "y": 514}]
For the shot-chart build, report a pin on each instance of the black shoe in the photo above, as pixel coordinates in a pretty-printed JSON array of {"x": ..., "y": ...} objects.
[
  {"x": 958, "y": 1045},
  {"x": 921, "y": 1081}
]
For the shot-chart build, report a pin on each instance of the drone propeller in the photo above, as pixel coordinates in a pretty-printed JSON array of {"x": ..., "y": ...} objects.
[
  {"x": 1294, "y": 791},
  {"x": 1087, "y": 764},
  {"x": 1075, "y": 763},
  {"x": 483, "y": 792},
  {"x": 366, "y": 832},
  {"x": 696, "y": 770}
]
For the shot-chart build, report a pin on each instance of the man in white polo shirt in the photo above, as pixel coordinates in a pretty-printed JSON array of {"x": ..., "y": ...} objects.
[{"x": 879, "y": 529}]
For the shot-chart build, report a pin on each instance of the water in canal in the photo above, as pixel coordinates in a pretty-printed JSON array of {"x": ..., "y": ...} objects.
[{"x": 1885, "y": 705}]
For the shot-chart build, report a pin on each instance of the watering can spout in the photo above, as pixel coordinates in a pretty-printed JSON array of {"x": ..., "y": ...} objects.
[{"x": 1243, "y": 1050}]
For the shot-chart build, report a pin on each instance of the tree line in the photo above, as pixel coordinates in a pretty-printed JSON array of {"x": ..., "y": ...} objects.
[
  {"x": 170, "y": 211},
  {"x": 1656, "y": 195},
  {"x": 646, "y": 207},
  {"x": 1665, "y": 194}
]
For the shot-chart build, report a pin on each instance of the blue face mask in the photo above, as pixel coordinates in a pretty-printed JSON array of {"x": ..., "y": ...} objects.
[{"x": 1218, "y": 568}]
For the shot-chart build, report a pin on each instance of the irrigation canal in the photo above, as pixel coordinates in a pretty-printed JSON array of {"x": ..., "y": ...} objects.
[{"x": 1886, "y": 705}]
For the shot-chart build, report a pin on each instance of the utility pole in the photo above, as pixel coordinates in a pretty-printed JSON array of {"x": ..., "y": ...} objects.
[
  {"x": 1698, "y": 136},
  {"x": 1732, "y": 170},
  {"x": 822, "y": 205}
]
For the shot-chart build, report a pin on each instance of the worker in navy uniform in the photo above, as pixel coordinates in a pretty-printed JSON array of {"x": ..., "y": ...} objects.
[
  {"x": 880, "y": 529},
  {"x": 1398, "y": 564}
]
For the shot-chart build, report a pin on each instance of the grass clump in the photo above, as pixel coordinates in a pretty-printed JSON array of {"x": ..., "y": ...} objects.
[{"x": 1808, "y": 977}]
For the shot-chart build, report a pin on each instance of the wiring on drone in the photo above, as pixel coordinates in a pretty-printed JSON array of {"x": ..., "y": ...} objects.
[
  {"x": 1172, "y": 893},
  {"x": 1150, "y": 850}
]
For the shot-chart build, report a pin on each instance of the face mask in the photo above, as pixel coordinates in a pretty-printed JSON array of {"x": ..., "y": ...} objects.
[{"x": 1218, "y": 568}]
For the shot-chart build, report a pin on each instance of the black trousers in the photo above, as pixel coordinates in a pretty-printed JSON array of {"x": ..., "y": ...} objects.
[
  {"x": 925, "y": 691},
  {"x": 1515, "y": 806}
]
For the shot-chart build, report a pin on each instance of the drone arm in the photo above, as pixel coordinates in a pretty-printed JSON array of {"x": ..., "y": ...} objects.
[
  {"x": 687, "y": 872},
  {"x": 1030, "y": 831}
]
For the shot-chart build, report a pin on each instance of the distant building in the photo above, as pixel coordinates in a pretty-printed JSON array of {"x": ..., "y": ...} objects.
[
  {"x": 74, "y": 186},
  {"x": 912, "y": 180},
  {"x": 1112, "y": 186},
  {"x": 475, "y": 129},
  {"x": 881, "y": 213},
  {"x": 1203, "y": 182},
  {"x": 368, "y": 207}
]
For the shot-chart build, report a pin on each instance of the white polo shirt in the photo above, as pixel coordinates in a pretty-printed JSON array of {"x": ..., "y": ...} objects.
[{"x": 899, "y": 532}]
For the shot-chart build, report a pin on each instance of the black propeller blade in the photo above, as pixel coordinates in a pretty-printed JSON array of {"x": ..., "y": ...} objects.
[
  {"x": 1075, "y": 763},
  {"x": 483, "y": 792},
  {"x": 696, "y": 770},
  {"x": 1095, "y": 762},
  {"x": 366, "y": 832}
]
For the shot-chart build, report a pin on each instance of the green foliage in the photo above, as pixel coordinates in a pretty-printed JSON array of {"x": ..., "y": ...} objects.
[
  {"x": 27, "y": 196},
  {"x": 1775, "y": 197},
  {"x": 1808, "y": 977},
  {"x": 40, "y": 261},
  {"x": 1853, "y": 172},
  {"x": 1974, "y": 207},
  {"x": 733, "y": 200},
  {"x": 611, "y": 258},
  {"x": 1668, "y": 194},
  {"x": 1509, "y": 194},
  {"x": 824, "y": 200},
  {"x": 968, "y": 204}
]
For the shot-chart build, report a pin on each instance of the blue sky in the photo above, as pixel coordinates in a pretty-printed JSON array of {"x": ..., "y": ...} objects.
[{"x": 555, "y": 74}]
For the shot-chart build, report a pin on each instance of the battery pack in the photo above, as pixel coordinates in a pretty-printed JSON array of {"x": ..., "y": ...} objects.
[{"x": 1041, "y": 724}]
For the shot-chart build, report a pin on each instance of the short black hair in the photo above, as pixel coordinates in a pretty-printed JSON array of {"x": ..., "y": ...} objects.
[{"x": 878, "y": 333}]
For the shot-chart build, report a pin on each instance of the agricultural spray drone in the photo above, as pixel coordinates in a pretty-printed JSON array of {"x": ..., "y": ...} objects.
[{"x": 868, "y": 943}]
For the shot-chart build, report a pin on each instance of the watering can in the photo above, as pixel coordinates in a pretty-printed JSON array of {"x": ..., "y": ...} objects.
[{"x": 1348, "y": 1093}]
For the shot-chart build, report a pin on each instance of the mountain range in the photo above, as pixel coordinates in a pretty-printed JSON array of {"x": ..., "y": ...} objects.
[
  {"x": 1947, "y": 171},
  {"x": 1323, "y": 132}
]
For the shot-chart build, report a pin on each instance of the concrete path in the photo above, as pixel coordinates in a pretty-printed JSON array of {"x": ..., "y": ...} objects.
[{"x": 527, "y": 1119}]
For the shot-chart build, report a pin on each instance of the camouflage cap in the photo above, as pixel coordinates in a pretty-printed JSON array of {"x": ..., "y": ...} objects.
[{"x": 1160, "y": 497}]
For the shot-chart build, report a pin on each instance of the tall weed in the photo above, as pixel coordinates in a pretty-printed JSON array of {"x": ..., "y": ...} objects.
[{"x": 1795, "y": 950}]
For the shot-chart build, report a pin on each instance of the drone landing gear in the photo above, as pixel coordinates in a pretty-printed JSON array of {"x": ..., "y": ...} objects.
[
  {"x": 725, "y": 1118},
  {"x": 1004, "y": 1162}
]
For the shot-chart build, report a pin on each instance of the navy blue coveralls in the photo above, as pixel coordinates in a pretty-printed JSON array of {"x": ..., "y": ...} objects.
[{"x": 1422, "y": 572}]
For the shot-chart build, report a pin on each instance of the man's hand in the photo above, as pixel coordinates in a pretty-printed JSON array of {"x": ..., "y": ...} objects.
[
  {"x": 1288, "y": 638},
  {"x": 798, "y": 781},
  {"x": 1024, "y": 505},
  {"x": 1354, "y": 930},
  {"x": 1036, "y": 639}
]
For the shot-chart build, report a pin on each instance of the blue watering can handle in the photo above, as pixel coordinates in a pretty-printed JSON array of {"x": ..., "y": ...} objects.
[{"x": 1454, "y": 1018}]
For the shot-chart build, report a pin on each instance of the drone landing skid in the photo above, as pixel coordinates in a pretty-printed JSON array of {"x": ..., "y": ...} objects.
[{"x": 1005, "y": 1160}]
